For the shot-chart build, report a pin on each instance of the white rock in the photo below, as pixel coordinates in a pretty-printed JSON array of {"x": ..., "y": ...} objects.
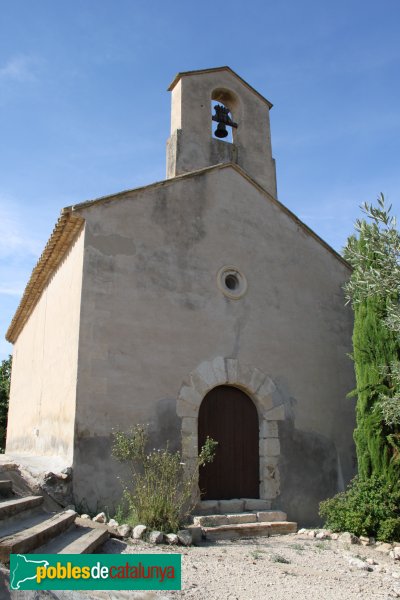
[
  {"x": 156, "y": 537},
  {"x": 172, "y": 539},
  {"x": 301, "y": 531},
  {"x": 379, "y": 568},
  {"x": 359, "y": 564},
  {"x": 100, "y": 518},
  {"x": 396, "y": 552},
  {"x": 383, "y": 547},
  {"x": 85, "y": 516},
  {"x": 138, "y": 532},
  {"x": 113, "y": 523},
  {"x": 185, "y": 537},
  {"x": 124, "y": 530},
  {"x": 335, "y": 536},
  {"x": 312, "y": 533},
  {"x": 323, "y": 535},
  {"x": 371, "y": 561},
  {"x": 348, "y": 538}
]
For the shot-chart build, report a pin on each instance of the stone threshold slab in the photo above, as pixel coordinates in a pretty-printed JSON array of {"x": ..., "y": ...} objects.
[
  {"x": 231, "y": 532},
  {"x": 235, "y": 505},
  {"x": 267, "y": 516}
]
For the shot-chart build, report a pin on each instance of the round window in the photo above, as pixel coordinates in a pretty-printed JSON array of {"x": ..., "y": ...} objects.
[{"x": 232, "y": 282}]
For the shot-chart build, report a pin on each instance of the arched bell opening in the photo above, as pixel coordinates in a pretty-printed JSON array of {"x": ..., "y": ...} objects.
[
  {"x": 224, "y": 108},
  {"x": 229, "y": 416}
]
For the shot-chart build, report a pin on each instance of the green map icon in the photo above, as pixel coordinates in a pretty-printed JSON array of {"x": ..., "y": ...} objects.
[{"x": 24, "y": 569}]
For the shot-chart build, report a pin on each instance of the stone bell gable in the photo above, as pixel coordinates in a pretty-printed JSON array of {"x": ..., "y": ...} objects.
[{"x": 191, "y": 147}]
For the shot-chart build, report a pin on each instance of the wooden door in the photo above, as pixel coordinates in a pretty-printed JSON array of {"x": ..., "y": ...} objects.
[{"x": 229, "y": 416}]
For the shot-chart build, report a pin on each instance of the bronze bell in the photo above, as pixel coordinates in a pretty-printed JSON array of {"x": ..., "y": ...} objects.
[
  {"x": 223, "y": 119},
  {"x": 221, "y": 131}
]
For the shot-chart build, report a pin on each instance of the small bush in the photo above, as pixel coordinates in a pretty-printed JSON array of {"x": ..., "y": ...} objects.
[
  {"x": 389, "y": 530},
  {"x": 278, "y": 558},
  {"x": 161, "y": 491},
  {"x": 369, "y": 507},
  {"x": 321, "y": 546},
  {"x": 298, "y": 547}
]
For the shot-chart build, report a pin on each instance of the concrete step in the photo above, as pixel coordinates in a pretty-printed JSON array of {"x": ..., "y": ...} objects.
[
  {"x": 266, "y": 516},
  {"x": 21, "y": 521},
  {"x": 25, "y": 540},
  {"x": 6, "y": 487},
  {"x": 88, "y": 542},
  {"x": 10, "y": 508},
  {"x": 269, "y": 516},
  {"x": 76, "y": 540},
  {"x": 218, "y": 520},
  {"x": 233, "y": 532}
]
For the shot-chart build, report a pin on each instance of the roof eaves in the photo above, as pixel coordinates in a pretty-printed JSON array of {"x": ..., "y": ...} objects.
[{"x": 64, "y": 232}]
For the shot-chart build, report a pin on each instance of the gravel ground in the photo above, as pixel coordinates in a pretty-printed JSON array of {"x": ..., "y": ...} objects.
[{"x": 283, "y": 567}]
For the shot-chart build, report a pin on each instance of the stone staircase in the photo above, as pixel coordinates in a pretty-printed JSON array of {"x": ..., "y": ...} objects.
[
  {"x": 245, "y": 517},
  {"x": 27, "y": 527}
]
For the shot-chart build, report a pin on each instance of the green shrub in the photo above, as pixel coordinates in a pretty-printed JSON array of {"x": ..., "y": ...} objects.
[
  {"x": 389, "y": 530},
  {"x": 368, "y": 507},
  {"x": 160, "y": 493},
  {"x": 5, "y": 379}
]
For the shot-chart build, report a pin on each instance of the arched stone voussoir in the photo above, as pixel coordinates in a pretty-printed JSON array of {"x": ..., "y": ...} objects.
[
  {"x": 188, "y": 402},
  {"x": 249, "y": 378},
  {"x": 230, "y": 371},
  {"x": 208, "y": 375},
  {"x": 277, "y": 413}
]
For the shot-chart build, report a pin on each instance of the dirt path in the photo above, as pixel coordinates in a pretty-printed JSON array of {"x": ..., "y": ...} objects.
[{"x": 277, "y": 568}]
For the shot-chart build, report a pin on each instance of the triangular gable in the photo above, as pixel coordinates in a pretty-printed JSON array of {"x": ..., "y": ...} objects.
[
  {"x": 214, "y": 70},
  {"x": 70, "y": 223}
]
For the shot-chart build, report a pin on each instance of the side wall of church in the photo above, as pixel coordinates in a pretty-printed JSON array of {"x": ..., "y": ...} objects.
[
  {"x": 45, "y": 356},
  {"x": 152, "y": 312}
]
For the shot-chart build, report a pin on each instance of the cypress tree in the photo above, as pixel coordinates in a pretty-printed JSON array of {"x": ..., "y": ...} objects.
[
  {"x": 374, "y": 346},
  {"x": 371, "y": 504}
]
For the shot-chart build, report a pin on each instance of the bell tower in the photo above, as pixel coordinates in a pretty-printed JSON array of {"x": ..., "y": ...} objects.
[{"x": 241, "y": 110}]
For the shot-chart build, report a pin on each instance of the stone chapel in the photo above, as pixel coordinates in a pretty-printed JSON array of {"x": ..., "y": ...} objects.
[{"x": 200, "y": 305}]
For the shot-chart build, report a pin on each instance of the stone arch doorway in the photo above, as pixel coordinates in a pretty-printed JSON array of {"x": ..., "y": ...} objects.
[
  {"x": 222, "y": 371},
  {"x": 229, "y": 416}
]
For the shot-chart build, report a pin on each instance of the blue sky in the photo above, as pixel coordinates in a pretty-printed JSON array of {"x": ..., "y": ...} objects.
[{"x": 84, "y": 109}]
